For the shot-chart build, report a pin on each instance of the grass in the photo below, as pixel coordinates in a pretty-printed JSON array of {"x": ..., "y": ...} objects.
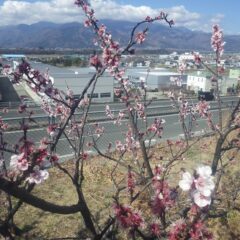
[{"x": 98, "y": 189}]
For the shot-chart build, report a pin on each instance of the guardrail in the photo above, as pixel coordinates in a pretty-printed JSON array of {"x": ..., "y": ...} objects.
[
  {"x": 44, "y": 120},
  {"x": 11, "y": 105},
  {"x": 156, "y": 101}
]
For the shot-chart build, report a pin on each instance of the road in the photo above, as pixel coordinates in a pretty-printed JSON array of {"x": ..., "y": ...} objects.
[
  {"x": 118, "y": 106},
  {"x": 172, "y": 129},
  {"x": 97, "y": 111}
]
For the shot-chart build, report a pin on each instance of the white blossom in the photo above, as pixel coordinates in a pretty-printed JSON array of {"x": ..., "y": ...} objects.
[
  {"x": 38, "y": 176},
  {"x": 200, "y": 185},
  {"x": 186, "y": 182},
  {"x": 201, "y": 200},
  {"x": 18, "y": 162}
]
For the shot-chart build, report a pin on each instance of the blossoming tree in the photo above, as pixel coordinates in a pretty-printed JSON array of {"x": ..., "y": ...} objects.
[{"x": 168, "y": 212}]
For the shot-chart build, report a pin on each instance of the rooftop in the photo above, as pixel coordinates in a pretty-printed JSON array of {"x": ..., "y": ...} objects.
[
  {"x": 13, "y": 56},
  {"x": 200, "y": 74},
  {"x": 234, "y": 73}
]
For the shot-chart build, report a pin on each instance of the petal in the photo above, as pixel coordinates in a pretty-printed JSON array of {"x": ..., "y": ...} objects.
[
  {"x": 30, "y": 180},
  {"x": 14, "y": 157},
  {"x": 206, "y": 192},
  {"x": 210, "y": 183},
  {"x": 23, "y": 165},
  {"x": 204, "y": 171},
  {"x": 44, "y": 174},
  {"x": 20, "y": 156},
  {"x": 13, "y": 161},
  {"x": 186, "y": 183},
  {"x": 187, "y": 176},
  {"x": 201, "y": 200}
]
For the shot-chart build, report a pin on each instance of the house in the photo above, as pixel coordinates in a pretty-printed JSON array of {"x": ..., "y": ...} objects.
[{"x": 199, "y": 81}]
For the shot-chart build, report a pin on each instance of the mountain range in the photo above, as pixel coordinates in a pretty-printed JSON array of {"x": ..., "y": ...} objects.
[{"x": 74, "y": 35}]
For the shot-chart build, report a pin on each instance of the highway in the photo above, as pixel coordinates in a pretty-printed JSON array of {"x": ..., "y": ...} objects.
[
  {"x": 100, "y": 107},
  {"x": 97, "y": 111},
  {"x": 172, "y": 129}
]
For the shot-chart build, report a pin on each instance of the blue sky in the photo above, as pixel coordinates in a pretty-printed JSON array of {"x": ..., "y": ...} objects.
[
  {"x": 230, "y": 9},
  {"x": 194, "y": 14}
]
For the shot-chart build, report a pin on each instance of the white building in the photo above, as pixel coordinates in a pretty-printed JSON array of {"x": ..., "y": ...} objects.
[
  {"x": 77, "y": 78},
  {"x": 229, "y": 85},
  {"x": 199, "y": 81},
  {"x": 155, "y": 79},
  {"x": 186, "y": 57}
]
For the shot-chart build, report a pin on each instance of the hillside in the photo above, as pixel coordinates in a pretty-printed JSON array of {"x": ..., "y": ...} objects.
[{"x": 75, "y": 35}]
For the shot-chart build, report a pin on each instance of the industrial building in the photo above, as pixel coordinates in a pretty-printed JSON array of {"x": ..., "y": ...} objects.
[
  {"x": 155, "y": 79},
  {"x": 77, "y": 78},
  {"x": 199, "y": 81},
  {"x": 202, "y": 81}
]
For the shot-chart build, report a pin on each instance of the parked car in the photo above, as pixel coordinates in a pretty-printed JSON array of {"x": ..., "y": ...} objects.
[
  {"x": 207, "y": 96},
  {"x": 27, "y": 101}
]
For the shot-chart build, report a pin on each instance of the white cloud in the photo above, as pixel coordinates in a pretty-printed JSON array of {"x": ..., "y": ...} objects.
[
  {"x": 15, "y": 12},
  {"x": 60, "y": 11},
  {"x": 217, "y": 18}
]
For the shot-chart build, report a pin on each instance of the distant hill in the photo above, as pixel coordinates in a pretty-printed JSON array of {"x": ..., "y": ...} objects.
[{"x": 75, "y": 35}]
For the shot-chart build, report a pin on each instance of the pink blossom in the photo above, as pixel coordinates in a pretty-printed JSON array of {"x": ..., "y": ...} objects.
[
  {"x": 84, "y": 102},
  {"x": 5, "y": 110},
  {"x": 155, "y": 229},
  {"x": 199, "y": 231},
  {"x": 89, "y": 144},
  {"x": 217, "y": 41},
  {"x": 87, "y": 23},
  {"x": 140, "y": 108},
  {"x": 157, "y": 172},
  {"x": 157, "y": 127},
  {"x": 171, "y": 95},
  {"x": 182, "y": 67},
  {"x": 140, "y": 37},
  {"x": 118, "y": 92},
  {"x": 177, "y": 230},
  {"x": 54, "y": 158},
  {"x": 121, "y": 115},
  {"x": 131, "y": 181},
  {"x": 22, "y": 108},
  {"x": 202, "y": 108},
  {"x": 84, "y": 155},
  {"x": 149, "y": 19},
  {"x": 197, "y": 57},
  {"x": 127, "y": 218},
  {"x": 131, "y": 144},
  {"x": 99, "y": 130},
  {"x": 41, "y": 154},
  {"x": 51, "y": 130},
  {"x": 120, "y": 147},
  {"x": 79, "y": 2},
  {"x": 3, "y": 125},
  {"x": 163, "y": 198},
  {"x": 109, "y": 112},
  {"x": 95, "y": 61},
  {"x": 7, "y": 70}
]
